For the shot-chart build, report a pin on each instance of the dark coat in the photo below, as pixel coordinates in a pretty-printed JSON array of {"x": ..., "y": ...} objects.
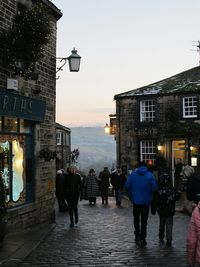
[
  {"x": 104, "y": 178},
  {"x": 193, "y": 188},
  {"x": 166, "y": 199},
  {"x": 118, "y": 180},
  {"x": 73, "y": 187},
  {"x": 60, "y": 184}
]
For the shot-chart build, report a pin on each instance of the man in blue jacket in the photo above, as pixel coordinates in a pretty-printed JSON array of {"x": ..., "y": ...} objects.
[{"x": 140, "y": 186}]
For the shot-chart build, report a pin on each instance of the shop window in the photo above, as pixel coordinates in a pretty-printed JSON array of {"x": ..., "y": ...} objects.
[
  {"x": 16, "y": 160},
  {"x": 12, "y": 168},
  {"x": 147, "y": 110},
  {"x": 10, "y": 124},
  {"x": 25, "y": 126},
  {"x": 148, "y": 151},
  {"x": 190, "y": 107}
]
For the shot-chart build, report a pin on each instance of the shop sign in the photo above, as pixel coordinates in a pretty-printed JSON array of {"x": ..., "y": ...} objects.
[{"x": 23, "y": 107}]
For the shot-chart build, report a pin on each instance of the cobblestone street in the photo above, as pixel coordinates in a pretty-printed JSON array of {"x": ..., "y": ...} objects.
[{"x": 104, "y": 237}]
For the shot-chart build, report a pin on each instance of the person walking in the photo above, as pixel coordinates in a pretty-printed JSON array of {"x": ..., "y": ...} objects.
[
  {"x": 177, "y": 175},
  {"x": 92, "y": 187},
  {"x": 140, "y": 186},
  {"x": 193, "y": 183},
  {"x": 118, "y": 181},
  {"x": 193, "y": 239},
  {"x": 60, "y": 194},
  {"x": 104, "y": 180},
  {"x": 166, "y": 198},
  {"x": 73, "y": 191}
]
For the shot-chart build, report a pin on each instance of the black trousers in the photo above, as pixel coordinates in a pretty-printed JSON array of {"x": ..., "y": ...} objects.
[
  {"x": 140, "y": 214},
  {"x": 73, "y": 210}
]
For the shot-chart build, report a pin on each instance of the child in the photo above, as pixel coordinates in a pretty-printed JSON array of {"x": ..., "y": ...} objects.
[
  {"x": 166, "y": 198},
  {"x": 193, "y": 238}
]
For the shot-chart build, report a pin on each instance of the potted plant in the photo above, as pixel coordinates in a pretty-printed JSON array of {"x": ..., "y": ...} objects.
[{"x": 3, "y": 209}]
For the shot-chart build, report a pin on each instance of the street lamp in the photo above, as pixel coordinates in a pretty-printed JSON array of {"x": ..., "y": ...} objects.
[
  {"x": 107, "y": 128},
  {"x": 74, "y": 62}
]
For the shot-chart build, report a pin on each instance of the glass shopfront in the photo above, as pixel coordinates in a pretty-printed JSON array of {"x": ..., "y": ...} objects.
[{"x": 16, "y": 159}]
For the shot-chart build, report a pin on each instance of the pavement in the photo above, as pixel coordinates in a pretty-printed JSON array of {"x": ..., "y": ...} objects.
[{"x": 103, "y": 237}]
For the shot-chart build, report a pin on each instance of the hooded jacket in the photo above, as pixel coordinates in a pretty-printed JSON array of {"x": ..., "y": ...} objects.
[
  {"x": 193, "y": 238},
  {"x": 166, "y": 196},
  {"x": 140, "y": 186}
]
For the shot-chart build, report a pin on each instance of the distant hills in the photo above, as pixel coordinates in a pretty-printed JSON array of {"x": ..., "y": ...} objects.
[{"x": 97, "y": 149}]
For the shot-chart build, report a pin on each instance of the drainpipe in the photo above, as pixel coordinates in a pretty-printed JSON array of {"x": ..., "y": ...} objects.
[{"x": 119, "y": 134}]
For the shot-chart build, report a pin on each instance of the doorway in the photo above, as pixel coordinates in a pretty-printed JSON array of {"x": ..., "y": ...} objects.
[{"x": 178, "y": 154}]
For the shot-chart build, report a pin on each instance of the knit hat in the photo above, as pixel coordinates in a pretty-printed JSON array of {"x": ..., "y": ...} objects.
[
  {"x": 187, "y": 171},
  {"x": 59, "y": 172}
]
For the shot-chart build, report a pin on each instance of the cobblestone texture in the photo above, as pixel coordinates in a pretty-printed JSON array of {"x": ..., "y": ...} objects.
[{"x": 104, "y": 237}]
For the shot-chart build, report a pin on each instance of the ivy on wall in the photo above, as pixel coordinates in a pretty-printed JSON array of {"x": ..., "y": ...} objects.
[
  {"x": 23, "y": 43},
  {"x": 175, "y": 126}
]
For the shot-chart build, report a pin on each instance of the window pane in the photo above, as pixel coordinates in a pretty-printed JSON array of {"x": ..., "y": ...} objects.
[
  {"x": 25, "y": 126},
  {"x": 5, "y": 165},
  {"x": 18, "y": 171},
  {"x": 10, "y": 124}
]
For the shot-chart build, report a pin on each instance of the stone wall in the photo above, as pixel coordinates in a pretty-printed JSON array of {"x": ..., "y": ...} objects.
[
  {"x": 44, "y": 89},
  {"x": 131, "y": 131}
]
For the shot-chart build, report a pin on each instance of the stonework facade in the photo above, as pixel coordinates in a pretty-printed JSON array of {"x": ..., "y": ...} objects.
[
  {"x": 63, "y": 146},
  {"x": 160, "y": 121},
  {"x": 35, "y": 203}
]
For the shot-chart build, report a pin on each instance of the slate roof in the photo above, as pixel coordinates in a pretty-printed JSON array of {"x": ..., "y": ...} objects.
[{"x": 187, "y": 81}]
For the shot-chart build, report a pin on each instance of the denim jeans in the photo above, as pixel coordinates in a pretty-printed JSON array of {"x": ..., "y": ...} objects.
[{"x": 166, "y": 225}]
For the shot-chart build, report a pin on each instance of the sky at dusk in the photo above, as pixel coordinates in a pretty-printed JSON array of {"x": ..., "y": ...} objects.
[{"x": 124, "y": 44}]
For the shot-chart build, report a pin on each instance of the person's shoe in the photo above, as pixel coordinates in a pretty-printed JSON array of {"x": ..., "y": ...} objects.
[
  {"x": 143, "y": 243},
  {"x": 137, "y": 240},
  {"x": 161, "y": 241},
  {"x": 71, "y": 225},
  {"x": 169, "y": 243}
]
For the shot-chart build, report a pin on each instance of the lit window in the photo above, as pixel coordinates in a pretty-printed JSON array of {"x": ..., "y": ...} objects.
[
  {"x": 147, "y": 151},
  {"x": 190, "y": 107},
  {"x": 147, "y": 110},
  {"x": 59, "y": 138}
]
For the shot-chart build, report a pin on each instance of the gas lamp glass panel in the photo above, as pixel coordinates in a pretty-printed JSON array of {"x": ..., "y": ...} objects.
[{"x": 74, "y": 64}]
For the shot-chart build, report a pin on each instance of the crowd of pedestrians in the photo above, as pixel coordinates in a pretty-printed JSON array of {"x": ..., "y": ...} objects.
[{"x": 146, "y": 194}]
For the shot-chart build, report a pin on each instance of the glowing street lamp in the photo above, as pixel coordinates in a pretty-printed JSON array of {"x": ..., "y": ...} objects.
[{"x": 107, "y": 128}]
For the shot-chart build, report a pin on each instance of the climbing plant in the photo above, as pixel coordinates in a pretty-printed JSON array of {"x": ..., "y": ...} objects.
[{"x": 24, "y": 41}]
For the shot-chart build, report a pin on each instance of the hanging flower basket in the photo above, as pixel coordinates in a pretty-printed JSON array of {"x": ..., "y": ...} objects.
[{"x": 47, "y": 154}]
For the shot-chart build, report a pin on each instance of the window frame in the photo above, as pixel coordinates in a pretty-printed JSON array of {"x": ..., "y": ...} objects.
[
  {"x": 184, "y": 107},
  {"x": 151, "y": 119},
  {"x": 59, "y": 143},
  {"x": 152, "y": 147}
]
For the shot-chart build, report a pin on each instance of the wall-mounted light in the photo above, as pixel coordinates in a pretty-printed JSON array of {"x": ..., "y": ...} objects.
[
  {"x": 74, "y": 62},
  {"x": 107, "y": 128},
  {"x": 192, "y": 148},
  {"x": 159, "y": 147}
]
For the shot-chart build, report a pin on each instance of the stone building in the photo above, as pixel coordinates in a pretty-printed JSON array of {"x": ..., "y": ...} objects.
[
  {"x": 63, "y": 146},
  {"x": 160, "y": 121},
  {"x": 27, "y": 125}
]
